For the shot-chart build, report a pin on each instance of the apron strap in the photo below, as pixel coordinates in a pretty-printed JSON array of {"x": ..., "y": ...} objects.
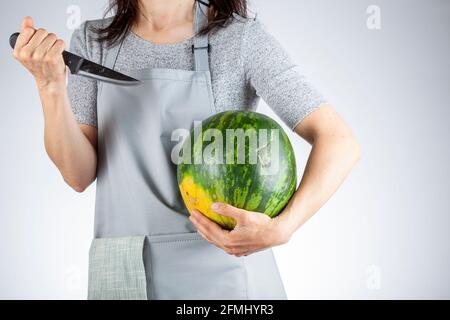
[
  {"x": 200, "y": 46},
  {"x": 111, "y": 55},
  {"x": 201, "y": 43}
]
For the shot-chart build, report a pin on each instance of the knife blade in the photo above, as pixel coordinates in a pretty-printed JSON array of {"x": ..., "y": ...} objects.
[{"x": 86, "y": 68}]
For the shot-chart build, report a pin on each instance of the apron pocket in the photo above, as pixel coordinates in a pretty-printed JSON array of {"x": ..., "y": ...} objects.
[
  {"x": 184, "y": 266},
  {"x": 116, "y": 269}
]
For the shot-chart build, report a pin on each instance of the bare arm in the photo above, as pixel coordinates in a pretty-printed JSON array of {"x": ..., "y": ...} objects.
[
  {"x": 334, "y": 153},
  {"x": 72, "y": 147}
]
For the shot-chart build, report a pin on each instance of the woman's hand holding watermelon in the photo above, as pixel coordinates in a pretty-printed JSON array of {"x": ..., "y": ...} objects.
[{"x": 254, "y": 231}]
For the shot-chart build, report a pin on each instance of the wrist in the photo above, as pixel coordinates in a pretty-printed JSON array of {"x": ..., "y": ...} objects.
[
  {"x": 281, "y": 231},
  {"x": 51, "y": 88}
]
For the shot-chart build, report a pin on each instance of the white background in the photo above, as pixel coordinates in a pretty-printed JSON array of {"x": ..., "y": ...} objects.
[{"x": 385, "y": 232}]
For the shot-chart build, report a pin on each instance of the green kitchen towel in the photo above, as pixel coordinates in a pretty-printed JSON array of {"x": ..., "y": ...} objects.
[{"x": 116, "y": 269}]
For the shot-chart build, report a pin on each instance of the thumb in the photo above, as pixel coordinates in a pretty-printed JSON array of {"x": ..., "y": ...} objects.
[
  {"x": 229, "y": 211},
  {"x": 27, "y": 22}
]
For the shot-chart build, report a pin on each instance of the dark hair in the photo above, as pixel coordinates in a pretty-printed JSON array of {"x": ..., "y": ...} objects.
[{"x": 126, "y": 12}]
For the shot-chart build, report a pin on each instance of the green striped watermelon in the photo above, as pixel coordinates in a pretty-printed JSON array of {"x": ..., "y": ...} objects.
[{"x": 221, "y": 162}]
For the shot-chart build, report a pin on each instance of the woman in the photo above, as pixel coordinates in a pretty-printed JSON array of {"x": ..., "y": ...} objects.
[{"x": 194, "y": 58}]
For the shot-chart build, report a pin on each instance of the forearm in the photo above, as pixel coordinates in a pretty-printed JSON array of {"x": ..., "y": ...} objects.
[
  {"x": 329, "y": 163},
  {"x": 65, "y": 143}
]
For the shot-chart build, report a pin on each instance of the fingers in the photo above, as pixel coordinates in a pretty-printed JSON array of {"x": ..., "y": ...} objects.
[
  {"x": 57, "y": 49},
  {"x": 26, "y": 32},
  {"x": 27, "y": 22},
  {"x": 246, "y": 250},
  {"x": 45, "y": 46},
  {"x": 252, "y": 232},
  {"x": 23, "y": 39},
  {"x": 212, "y": 231},
  {"x": 51, "y": 57},
  {"x": 34, "y": 44},
  {"x": 41, "y": 53},
  {"x": 36, "y": 39},
  {"x": 27, "y": 51},
  {"x": 227, "y": 210}
]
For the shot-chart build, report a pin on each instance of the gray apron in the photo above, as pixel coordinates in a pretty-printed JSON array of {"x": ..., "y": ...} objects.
[{"x": 144, "y": 245}]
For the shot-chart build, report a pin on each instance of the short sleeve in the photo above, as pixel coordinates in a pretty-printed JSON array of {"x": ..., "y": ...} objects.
[
  {"x": 81, "y": 90},
  {"x": 275, "y": 77}
]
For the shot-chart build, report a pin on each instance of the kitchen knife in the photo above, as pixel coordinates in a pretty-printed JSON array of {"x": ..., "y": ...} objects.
[{"x": 83, "y": 67}]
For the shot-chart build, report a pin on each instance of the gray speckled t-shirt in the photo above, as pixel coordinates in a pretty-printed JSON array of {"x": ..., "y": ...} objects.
[{"x": 246, "y": 63}]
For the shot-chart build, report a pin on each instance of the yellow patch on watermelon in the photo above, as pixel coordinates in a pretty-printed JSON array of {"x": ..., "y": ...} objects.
[{"x": 195, "y": 197}]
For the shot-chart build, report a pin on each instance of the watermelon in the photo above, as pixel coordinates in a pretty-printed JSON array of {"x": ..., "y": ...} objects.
[{"x": 241, "y": 158}]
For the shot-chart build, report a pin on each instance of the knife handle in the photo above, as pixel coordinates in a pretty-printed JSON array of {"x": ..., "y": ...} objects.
[
  {"x": 13, "y": 39},
  {"x": 71, "y": 60}
]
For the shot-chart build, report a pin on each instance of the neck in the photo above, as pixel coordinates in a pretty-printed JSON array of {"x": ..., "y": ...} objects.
[{"x": 162, "y": 14}]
